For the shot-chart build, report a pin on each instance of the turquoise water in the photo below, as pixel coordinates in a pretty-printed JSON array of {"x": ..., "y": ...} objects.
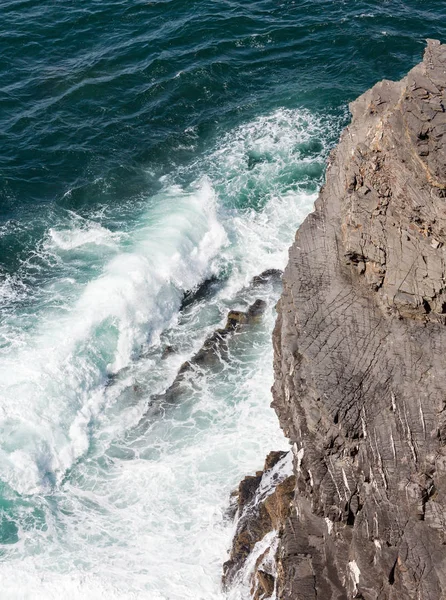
[{"x": 147, "y": 147}]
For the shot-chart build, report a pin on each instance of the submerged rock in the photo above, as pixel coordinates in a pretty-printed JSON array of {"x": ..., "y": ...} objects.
[
  {"x": 360, "y": 341},
  {"x": 255, "y": 311},
  {"x": 168, "y": 351},
  {"x": 213, "y": 351},
  {"x": 209, "y": 287},
  {"x": 215, "y": 347},
  {"x": 274, "y": 275}
]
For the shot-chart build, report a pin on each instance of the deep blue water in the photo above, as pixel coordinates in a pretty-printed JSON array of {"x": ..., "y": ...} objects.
[
  {"x": 144, "y": 148},
  {"x": 96, "y": 94}
]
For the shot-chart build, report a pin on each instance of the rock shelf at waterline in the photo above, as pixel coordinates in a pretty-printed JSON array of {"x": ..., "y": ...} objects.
[{"x": 214, "y": 353}]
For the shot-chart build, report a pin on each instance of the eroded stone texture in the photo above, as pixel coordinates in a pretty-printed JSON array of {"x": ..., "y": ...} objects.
[
  {"x": 360, "y": 364},
  {"x": 264, "y": 501}
]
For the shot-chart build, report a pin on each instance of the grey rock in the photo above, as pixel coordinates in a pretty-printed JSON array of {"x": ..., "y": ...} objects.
[
  {"x": 263, "y": 503},
  {"x": 359, "y": 343},
  {"x": 274, "y": 275},
  {"x": 212, "y": 353},
  {"x": 360, "y": 340}
]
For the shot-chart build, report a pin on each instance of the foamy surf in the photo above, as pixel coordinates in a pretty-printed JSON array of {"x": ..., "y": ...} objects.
[
  {"x": 59, "y": 377},
  {"x": 99, "y": 506}
]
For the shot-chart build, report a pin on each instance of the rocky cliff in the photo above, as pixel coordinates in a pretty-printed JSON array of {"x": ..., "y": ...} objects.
[{"x": 360, "y": 360}]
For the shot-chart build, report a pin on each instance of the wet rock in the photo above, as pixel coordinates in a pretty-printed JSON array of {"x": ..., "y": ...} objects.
[
  {"x": 248, "y": 534},
  {"x": 168, "y": 351},
  {"x": 270, "y": 275},
  {"x": 273, "y": 458},
  {"x": 232, "y": 507},
  {"x": 264, "y": 501},
  {"x": 236, "y": 317},
  {"x": 205, "y": 290},
  {"x": 215, "y": 347},
  {"x": 248, "y": 488},
  {"x": 255, "y": 311},
  {"x": 213, "y": 351},
  {"x": 263, "y": 585},
  {"x": 359, "y": 348}
]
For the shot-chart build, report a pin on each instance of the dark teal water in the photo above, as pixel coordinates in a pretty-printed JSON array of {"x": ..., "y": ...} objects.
[
  {"x": 96, "y": 94},
  {"x": 144, "y": 148}
]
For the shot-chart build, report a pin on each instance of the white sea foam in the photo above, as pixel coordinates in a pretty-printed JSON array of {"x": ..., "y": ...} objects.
[
  {"x": 69, "y": 239},
  {"x": 112, "y": 504},
  {"x": 12, "y": 289},
  {"x": 155, "y": 527},
  {"x": 50, "y": 389}
]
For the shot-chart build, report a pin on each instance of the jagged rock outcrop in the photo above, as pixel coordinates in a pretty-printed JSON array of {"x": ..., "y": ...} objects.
[
  {"x": 360, "y": 357},
  {"x": 213, "y": 352},
  {"x": 215, "y": 346},
  {"x": 263, "y": 503}
]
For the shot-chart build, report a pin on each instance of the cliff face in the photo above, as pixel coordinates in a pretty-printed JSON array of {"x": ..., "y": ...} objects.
[{"x": 360, "y": 357}]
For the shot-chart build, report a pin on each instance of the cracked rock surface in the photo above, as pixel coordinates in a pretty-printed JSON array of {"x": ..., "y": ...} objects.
[{"x": 360, "y": 357}]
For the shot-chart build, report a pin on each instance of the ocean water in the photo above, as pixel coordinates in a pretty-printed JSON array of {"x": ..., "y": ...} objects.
[{"x": 147, "y": 147}]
